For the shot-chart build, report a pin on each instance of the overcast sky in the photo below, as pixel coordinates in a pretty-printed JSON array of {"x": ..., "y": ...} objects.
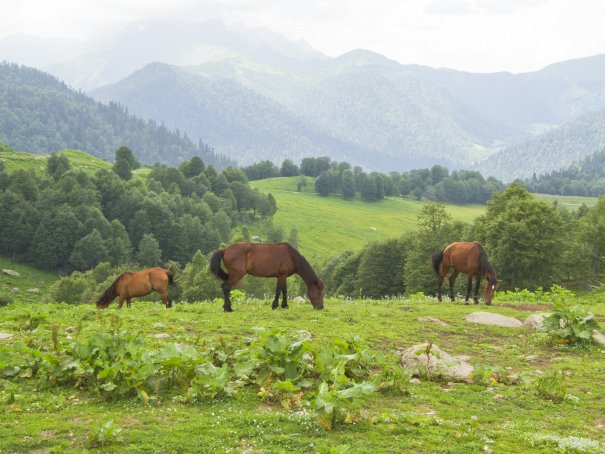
[{"x": 473, "y": 35}]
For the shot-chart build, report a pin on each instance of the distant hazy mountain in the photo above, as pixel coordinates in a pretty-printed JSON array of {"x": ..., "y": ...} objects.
[
  {"x": 556, "y": 149},
  {"x": 39, "y": 113},
  {"x": 400, "y": 123},
  {"x": 255, "y": 95},
  {"x": 175, "y": 43}
]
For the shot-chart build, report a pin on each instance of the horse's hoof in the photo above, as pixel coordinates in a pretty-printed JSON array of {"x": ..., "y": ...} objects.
[
  {"x": 285, "y": 307},
  {"x": 227, "y": 309},
  {"x": 274, "y": 307}
]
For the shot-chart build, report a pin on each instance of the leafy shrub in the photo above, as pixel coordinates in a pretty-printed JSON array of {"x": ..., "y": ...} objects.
[
  {"x": 77, "y": 288},
  {"x": 568, "y": 325},
  {"x": 5, "y": 300},
  {"x": 107, "y": 434}
]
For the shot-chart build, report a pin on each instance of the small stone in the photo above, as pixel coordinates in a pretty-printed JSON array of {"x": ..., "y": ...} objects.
[
  {"x": 161, "y": 336},
  {"x": 535, "y": 321},
  {"x": 70, "y": 329},
  {"x": 5, "y": 336},
  {"x": 474, "y": 418},
  {"x": 539, "y": 372},
  {"x": 508, "y": 368},
  {"x": 298, "y": 299},
  {"x": 12, "y": 273},
  {"x": 415, "y": 381},
  {"x": 599, "y": 338},
  {"x": 15, "y": 290},
  {"x": 568, "y": 373},
  {"x": 488, "y": 318},
  {"x": 33, "y": 290},
  {"x": 531, "y": 357}
]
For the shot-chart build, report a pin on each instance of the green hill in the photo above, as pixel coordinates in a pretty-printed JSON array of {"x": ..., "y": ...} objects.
[
  {"x": 330, "y": 225},
  {"x": 26, "y": 283},
  {"x": 41, "y": 114},
  {"x": 14, "y": 160}
]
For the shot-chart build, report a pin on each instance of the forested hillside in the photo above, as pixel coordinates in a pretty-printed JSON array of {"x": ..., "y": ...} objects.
[
  {"x": 65, "y": 218},
  {"x": 556, "y": 149},
  {"x": 39, "y": 113},
  {"x": 585, "y": 178}
]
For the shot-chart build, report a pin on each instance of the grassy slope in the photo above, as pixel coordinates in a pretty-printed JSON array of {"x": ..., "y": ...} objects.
[
  {"x": 328, "y": 226},
  {"x": 30, "y": 278},
  {"x": 78, "y": 160},
  {"x": 434, "y": 417}
]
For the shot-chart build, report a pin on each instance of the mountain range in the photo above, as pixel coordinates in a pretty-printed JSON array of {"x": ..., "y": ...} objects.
[{"x": 254, "y": 95}]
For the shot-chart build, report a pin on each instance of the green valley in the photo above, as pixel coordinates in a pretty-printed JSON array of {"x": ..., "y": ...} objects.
[{"x": 330, "y": 225}]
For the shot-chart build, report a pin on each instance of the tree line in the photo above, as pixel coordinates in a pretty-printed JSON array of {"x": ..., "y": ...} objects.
[
  {"x": 530, "y": 243},
  {"x": 66, "y": 219},
  {"x": 340, "y": 178}
]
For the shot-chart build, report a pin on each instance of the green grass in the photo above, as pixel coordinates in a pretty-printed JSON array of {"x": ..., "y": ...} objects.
[
  {"x": 328, "y": 226},
  {"x": 432, "y": 417},
  {"x": 572, "y": 202},
  {"x": 78, "y": 160},
  {"x": 29, "y": 280}
]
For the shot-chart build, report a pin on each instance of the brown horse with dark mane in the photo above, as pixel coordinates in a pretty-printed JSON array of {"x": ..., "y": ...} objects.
[
  {"x": 278, "y": 260},
  {"x": 469, "y": 258},
  {"x": 137, "y": 283}
]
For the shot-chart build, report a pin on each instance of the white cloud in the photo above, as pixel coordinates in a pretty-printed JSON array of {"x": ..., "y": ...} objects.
[{"x": 476, "y": 35}]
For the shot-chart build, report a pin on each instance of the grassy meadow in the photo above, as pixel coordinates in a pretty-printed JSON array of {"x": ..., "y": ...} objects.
[
  {"x": 503, "y": 411},
  {"x": 30, "y": 285},
  {"x": 330, "y": 225}
]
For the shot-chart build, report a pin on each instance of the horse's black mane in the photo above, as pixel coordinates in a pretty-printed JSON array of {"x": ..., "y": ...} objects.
[
  {"x": 303, "y": 267},
  {"x": 485, "y": 268}
]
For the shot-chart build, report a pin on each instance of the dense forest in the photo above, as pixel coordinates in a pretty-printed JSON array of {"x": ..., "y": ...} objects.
[
  {"x": 587, "y": 178},
  {"x": 67, "y": 220},
  {"x": 40, "y": 114},
  {"x": 341, "y": 178},
  {"x": 530, "y": 243}
]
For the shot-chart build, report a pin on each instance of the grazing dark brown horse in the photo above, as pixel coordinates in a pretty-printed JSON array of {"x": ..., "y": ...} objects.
[
  {"x": 137, "y": 283},
  {"x": 469, "y": 258},
  {"x": 278, "y": 260}
]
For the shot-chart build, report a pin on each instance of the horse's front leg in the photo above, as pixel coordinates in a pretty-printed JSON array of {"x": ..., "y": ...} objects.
[
  {"x": 476, "y": 297},
  {"x": 227, "y": 294},
  {"x": 469, "y": 286},
  {"x": 284, "y": 289},
  {"x": 452, "y": 283},
  {"x": 275, "y": 304},
  {"x": 121, "y": 302}
]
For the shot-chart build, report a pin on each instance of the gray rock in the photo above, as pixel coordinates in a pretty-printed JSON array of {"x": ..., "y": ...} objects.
[
  {"x": 437, "y": 363},
  {"x": 599, "y": 338},
  {"x": 15, "y": 290},
  {"x": 12, "y": 273},
  {"x": 432, "y": 320},
  {"x": 535, "y": 321},
  {"x": 256, "y": 238},
  {"x": 33, "y": 290},
  {"x": 298, "y": 299},
  {"x": 161, "y": 336},
  {"x": 488, "y": 318},
  {"x": 5, "y": 336}
]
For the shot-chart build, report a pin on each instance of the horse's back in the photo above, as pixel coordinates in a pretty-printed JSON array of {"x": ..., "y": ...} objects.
[
  {"x": 463, "y": 256},
  {"x": 259, "y": 259}
]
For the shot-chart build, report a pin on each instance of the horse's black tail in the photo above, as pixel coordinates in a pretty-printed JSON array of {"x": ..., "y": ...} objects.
[
  {"x": 170, "y": 277},
  {"x": 437, "y": 258},
  {"x": 215, "y": 265}
]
